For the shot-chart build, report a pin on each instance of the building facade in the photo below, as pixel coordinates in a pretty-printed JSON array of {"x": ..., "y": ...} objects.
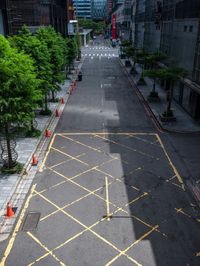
[
  {"x": 83, "y": 8},
  {"x": 99, "y": 9},
  {"x": 33, "y": 13}
]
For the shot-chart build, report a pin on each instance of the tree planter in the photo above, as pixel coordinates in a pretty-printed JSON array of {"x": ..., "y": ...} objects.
[
  {"x": 141, "y": 82},
  {"x": 167, "y": 116},
  {"x": 153, "y": 97},
  {"x": 127, "y": 63},
  {"x": 133, "y": 71}
]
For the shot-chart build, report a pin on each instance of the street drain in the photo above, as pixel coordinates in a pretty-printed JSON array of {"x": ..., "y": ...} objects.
[{"x": 31, "y": 221}]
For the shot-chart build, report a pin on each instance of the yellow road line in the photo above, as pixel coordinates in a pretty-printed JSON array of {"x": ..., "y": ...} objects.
[
  {"x": 171, "y": 164},
  {"x": 66, "y": 161},
  {"x": 133, "y": 244},
  {"x": 107, "y": 199},
  {"x": 82, "y": 144},
  {"x": 127, "y": 147},
  {"x": 45, "y": 248},
  {"x": 46, "y": 155},
  {"x": 80, "y": 223},
  {"x": 107, "y": 133},
  {"x": 16, "y": 229},
  {"x": 180, "y": 210},
  {"x": 69, "y": 204},
  {"x": 72, "y": 157}
]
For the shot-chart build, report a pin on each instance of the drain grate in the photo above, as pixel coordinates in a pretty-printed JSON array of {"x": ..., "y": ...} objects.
[{"x": 31, "y": 221}]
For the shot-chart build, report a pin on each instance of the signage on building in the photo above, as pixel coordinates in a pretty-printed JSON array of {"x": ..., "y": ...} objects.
[{"x": 114, "y": 30}]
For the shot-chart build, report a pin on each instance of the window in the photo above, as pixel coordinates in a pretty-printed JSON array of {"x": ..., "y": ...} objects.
[
  {"x": 191, "y": 28},
  {"x": 185, "y": 28}
]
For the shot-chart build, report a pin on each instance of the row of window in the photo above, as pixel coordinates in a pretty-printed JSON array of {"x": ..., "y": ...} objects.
[{"x": 188, "y": 28}]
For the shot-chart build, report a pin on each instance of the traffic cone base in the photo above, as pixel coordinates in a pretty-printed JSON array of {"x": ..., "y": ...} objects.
[
  {"x": 34, "y": 160},
  {"x": 57, "y": 113},
  {"x": 47, "y": 133},
  {"x": 10, "y": 213},
  {"x": 62, "y": 100}
]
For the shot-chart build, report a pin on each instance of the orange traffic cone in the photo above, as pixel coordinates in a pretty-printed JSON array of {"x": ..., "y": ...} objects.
[
  {"x": 34, "y": 160},
  {"x": 57, "y": 113},
  {"x": 62, "y": 100},
  {"x": 10, "y": 212},
  {"x": 47, "y": 133}
]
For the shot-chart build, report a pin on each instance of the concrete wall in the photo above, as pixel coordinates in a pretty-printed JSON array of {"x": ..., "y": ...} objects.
[
  {"x": 184, "y": 42},
  {"x": 1, "y": 24}
]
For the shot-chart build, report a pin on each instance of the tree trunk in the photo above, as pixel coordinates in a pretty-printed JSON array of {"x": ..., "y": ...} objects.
[
  {"x": 154, "y": 85},
  {"x": 7, "y": 135},
  {"x": 45, "y": 103},
  {"x": 170, "y": 98},
  {"x": 53, "y": 96}
]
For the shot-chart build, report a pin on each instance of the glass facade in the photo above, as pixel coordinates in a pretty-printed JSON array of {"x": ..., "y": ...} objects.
[
  {"x": 83, "y": 8},
  {"x": 99, "y": 9}
]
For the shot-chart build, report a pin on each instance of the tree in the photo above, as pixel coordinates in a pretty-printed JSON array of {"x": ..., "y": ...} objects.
[
  {"x": 72, "y": 50},
  {"x": 19, "y": 92},
  {"x": 57, "y": 50},
  {"x": 38, "y": 51},
  {"x": 96, "y": 27},
  {"x": 171, "y": 75},
  {"x": 154, "y": 58}
]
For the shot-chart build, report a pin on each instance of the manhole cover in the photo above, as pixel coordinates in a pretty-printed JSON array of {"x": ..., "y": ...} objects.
[{"x": 31, "y": 221}]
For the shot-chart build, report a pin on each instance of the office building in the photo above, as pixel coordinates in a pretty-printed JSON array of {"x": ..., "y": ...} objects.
[
  {"x": 99, "y": 9},
  {"x": 33, "y": 13},
  {"x": 83, "y": 8}
]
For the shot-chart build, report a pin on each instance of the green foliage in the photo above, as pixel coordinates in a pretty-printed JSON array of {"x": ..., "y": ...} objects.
[
  {"x": 72, "y": 50},
  {"x": 18, "y": 168},
  {"x": 96, "y": 27},
  {"x": 57, "y": 51},
  {"x": 129, "y": 51},
  {"x": 19, "y": 85},
  {"x": 171, "y": 73},
  {"x": 155, "y": 57},
  {"x": 38, "y": 51},
  {"x": 126, "y": 43}
]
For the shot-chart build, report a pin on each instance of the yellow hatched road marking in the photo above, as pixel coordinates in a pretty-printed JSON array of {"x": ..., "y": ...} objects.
[
  {"x": 66, "y": 161},
  {"x": 107, "y": 199},
  {"x": 105, "y": 133},
  {"x": 46, "y": 155},
  {"x": 135, "y": 243},
  {"x": 45, "y": 248},
  {"x": 17, "y": 227},
  {"x": 72, "y": 157},
  {"x": 86, "y": 227},
  {"x": 171, "y": 164},
  {"x": 127, "y": 147}
]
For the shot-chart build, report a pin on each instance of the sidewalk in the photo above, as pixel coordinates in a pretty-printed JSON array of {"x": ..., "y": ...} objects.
[
  {"x": 183, "y": 124},
  {"x": 14, "y": 188}
]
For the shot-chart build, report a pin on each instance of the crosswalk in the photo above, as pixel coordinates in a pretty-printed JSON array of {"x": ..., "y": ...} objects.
[
  {"x": 108, "y": 55},
  {"x": 100, "y": 48},
  {"x": 99, "y": 51}
]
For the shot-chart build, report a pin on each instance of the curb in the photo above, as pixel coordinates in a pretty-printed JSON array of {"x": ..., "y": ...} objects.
[
  {"x": 145, "y": 102},
  {"x": 28, "y": 173}
]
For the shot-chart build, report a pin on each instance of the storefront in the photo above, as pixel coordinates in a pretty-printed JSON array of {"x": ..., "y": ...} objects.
[{"x": 187, "y": 95}]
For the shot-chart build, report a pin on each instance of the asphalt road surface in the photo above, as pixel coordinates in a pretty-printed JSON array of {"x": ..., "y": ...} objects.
[{"x": 110, "y": 193}]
